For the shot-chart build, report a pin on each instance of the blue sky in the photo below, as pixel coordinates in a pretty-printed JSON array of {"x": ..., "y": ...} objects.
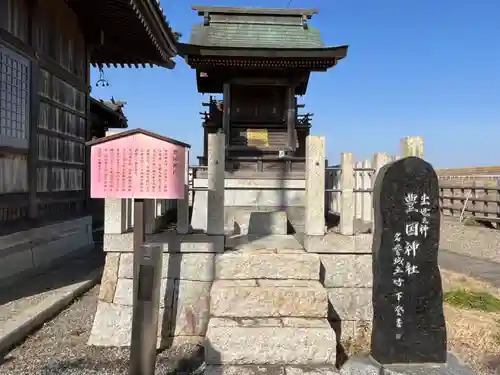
[{"x": 414, "y": 67}]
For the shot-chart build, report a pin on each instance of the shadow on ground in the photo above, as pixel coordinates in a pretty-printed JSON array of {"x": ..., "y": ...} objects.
[
  {"x": 67, "y": 272},
  {"x": 183, "y": 360},
  {"x": 480, "y": 269}
]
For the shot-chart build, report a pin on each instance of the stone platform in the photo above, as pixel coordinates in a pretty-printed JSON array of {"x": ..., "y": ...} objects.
[
  {"x": 246, "y": 202},
  {"x": 368, "y": 366},
  {"x": 268, "y": 308},
  {"x": 252, "y": 299},
  {"x": 31, "y": 252}
]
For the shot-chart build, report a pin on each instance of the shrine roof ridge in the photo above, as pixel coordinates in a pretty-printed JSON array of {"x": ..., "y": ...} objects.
[
  {"x": 130, "y": 132},
  {"x": 202, "y": 9}
]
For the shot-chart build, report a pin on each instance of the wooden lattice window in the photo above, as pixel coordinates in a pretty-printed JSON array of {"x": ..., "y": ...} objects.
[{"x": 14, "y": 97}]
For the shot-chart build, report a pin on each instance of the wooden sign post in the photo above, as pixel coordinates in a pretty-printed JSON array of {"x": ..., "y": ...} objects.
[{"x": 138, "y": 164}]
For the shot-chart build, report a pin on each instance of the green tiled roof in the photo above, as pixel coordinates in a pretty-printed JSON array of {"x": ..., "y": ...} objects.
[{"x": 255, "y": 36}]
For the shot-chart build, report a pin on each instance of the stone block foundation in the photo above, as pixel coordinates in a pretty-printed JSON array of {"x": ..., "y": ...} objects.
[
  {"x": 266, "y": 277},
  {"x": 184, "y": 306}
]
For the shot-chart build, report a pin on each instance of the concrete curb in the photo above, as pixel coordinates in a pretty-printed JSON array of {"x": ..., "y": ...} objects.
[{"x": 19, "y": 327}]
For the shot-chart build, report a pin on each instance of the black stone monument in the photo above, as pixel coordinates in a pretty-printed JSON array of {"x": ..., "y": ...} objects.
[{"x": 408, "y": 319}]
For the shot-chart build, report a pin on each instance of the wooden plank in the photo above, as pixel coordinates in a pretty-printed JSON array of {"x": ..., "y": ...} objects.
[
  {"x": 479, "y": 185},
  {"x": 254, "y": 11},
  {"x": 14, "y": 200},
  {"x": 464, "y": 198},
  {"x": 13, "y": 174},
  {"x": 226, "y": 111},
  {"x": 470, "y": 171},
  {"x": 493, "y": 210},
  {"x": 291, "y": 119}
]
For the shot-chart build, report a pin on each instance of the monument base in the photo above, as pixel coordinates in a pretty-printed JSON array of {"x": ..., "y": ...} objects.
[{"x": 366, "y": 365}]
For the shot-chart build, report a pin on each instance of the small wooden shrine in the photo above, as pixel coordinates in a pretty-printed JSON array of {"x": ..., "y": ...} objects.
[
  {"x": 105, "y": 115},
  {"x": 260, "y": 60}
]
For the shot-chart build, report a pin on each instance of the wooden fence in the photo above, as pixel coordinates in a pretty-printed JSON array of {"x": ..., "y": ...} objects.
[
  {"x": 477, "y": 197},
  {"x": 464, "y": 192}
]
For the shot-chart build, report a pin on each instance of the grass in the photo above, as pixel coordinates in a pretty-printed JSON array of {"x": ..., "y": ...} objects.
[
  {"x": 470, "y": 222},
  {"x": 361, "y": 342},
  {"x": 466, "y": 299},
  {"x": 472, "y": 312}
]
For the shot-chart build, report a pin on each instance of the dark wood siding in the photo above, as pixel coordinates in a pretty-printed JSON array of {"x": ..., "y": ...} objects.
[
  {"x": 264, "y": 104},
  {"x": 52, "y": 47}
]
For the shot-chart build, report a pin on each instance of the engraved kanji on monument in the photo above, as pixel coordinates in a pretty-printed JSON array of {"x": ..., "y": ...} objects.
[{"x": 408, "y": 319}]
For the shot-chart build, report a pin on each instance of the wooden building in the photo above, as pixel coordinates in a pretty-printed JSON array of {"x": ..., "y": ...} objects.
[
  {"x": 260, "y": 60},
  {"x": 46, "y": 51},
  {"x": 106, "y": 115}
]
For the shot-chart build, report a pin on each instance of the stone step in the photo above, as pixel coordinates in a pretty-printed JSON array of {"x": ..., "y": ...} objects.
[
  {"x": 267, "y": 265},
  {"x": 270, "y": 341},
  {"x": 270, "y": 370},
  {"x": 264, "y": 223},
  {"x": 268, "y": 298},
  {"x": 271, "y": 243}
]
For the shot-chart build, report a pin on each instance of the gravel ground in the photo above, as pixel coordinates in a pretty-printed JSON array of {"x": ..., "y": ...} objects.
[
  {"x": 480, "y": 269},
  {"x": 60, "y": 347},
  {"x": 473, "y": 241}
]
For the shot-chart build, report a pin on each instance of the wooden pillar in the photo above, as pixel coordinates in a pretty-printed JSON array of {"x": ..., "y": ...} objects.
[
  {"x": 290, "y": 117},
  {"x": 226, "y": 115},
  {"x": 34, "y": 104},
  {"x": 88, "y": 133}
]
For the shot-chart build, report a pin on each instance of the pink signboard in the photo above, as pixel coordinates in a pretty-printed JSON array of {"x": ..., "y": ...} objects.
[{"x": 137, "y": 166}]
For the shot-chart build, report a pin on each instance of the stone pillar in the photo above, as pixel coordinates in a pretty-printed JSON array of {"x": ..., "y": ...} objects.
[
  {"x": 115, "y": 216},
  {"x": 183, "y": 204},
  {"x": 358, "y": 196},
  {"x": 379, "y": 160},
  {"x": 150, "y": 216},
  {"x": 128, "y": 213},
  {"x": 216, "y": 166},
  {"x": 161, "y": 207},
  {"x": 366, "y": 184},
  {"x": 315, "y": 186},
  {"x": 347, "y": 183},
  {"x": 412, "y": 146}
]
